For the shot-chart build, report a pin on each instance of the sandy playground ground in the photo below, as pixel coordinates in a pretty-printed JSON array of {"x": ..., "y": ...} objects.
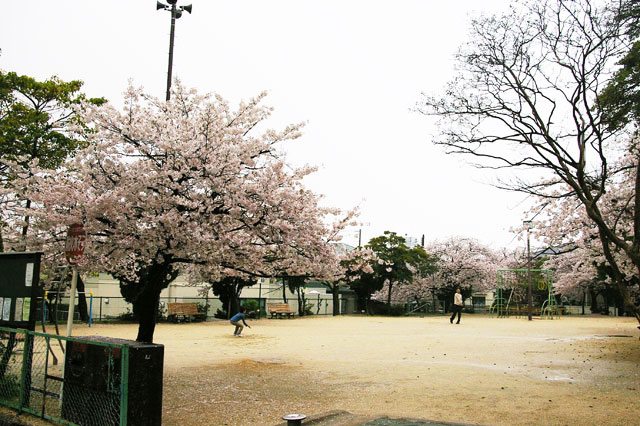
[{"x": 489, "y": 371}]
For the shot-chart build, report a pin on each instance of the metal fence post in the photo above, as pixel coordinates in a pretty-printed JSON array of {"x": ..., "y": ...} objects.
[
  {"x": 25, "y": 379},
  {"x": 124, "y": 385}
]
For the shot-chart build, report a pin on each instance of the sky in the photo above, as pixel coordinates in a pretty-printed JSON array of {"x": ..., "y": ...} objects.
[{"x": 353, "y": 70}]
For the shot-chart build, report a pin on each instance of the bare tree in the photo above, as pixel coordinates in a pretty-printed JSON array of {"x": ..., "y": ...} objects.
[{"x": 526, "y": 98}]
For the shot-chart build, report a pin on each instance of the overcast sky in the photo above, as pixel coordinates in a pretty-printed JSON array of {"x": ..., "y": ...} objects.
[{"x": 352, "y": 69}]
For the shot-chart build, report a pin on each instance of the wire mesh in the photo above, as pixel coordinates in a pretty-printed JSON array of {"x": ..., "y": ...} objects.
[{"x": 85, "y": 389}]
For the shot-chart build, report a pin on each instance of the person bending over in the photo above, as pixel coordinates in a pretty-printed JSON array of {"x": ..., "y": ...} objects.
[{"x": 235, "y": 320}]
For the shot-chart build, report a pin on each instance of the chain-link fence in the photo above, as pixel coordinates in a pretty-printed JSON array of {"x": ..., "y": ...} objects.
[{"x": 84, "y": 387}]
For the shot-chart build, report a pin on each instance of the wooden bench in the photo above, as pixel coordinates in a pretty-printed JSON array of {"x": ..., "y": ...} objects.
[
  {"x": 280, "y": 310},
  {"x": 183, "y": 311}
]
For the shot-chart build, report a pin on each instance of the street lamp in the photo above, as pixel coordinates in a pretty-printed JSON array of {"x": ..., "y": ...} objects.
[{"x": 176, "y": 13}]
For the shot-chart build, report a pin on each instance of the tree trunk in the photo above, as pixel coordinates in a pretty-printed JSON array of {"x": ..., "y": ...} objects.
[
  {"x": 618, "y": 276},
  {"x": 82, "y": 300},
  {"x": 144, "y": 295},
  {"x": 300, "y": 302},
  {"x": 389, "y": 295},
  {"x": 145, "y": 308},
  {"x": 336, "y": 300},
  {"x": 234, "y": 303},
  {"x": 284, "y": 290},
  {"x": 25, "y": 228}
]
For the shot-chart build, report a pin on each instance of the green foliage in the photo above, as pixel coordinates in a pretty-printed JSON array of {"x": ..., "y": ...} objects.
[
  {"x": 394, "y": 253},
  {"x": 619, "y": 102},
  {"x": 251, "y": 305},
  {"x": 221, "y": 314},
  {"x": 33, "y": 120},
  {"x": 379, "y": 308},
  {"x": 228, "y": 290},
  {"x": 127, "y": 316},
  {"x": 308, "y": 309},
  {"x": 33, "y": 116},
  {"x": 202, "y": 307},
  {"x": 295, "y": 282}
]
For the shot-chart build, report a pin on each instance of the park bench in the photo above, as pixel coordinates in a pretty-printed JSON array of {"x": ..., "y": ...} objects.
[
  {"x": 183, "y": 311},
  {"x": 280, "y": 310}
]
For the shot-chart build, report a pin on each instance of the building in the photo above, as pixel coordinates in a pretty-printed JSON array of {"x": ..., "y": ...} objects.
[{"x": 106, "y": 302}]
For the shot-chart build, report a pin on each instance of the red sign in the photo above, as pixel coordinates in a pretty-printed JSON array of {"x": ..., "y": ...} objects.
[{"x": 74, "y": 245}]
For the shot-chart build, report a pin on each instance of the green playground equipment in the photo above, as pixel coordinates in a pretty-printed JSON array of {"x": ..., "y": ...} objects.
[{"x": 512, "y": 290}]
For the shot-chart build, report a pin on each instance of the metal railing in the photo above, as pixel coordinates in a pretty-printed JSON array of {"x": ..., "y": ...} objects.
[{"x": 110, "y": 308}]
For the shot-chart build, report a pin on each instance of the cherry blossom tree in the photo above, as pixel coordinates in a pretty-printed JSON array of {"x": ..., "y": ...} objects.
[
  {"x": 462, "y": 263},
  {"x": 354, "y": 265},
  {"x": 33, "y": 127},
  {"x": 564, "y": 221},
  {"x": 527, "y": 99},
  {"x": 189, "y": 181}
]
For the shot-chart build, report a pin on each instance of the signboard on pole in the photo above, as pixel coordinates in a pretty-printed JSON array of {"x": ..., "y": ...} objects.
[
  {"x": 19, "y": 289},
  {"x": 74, "y": 245}
]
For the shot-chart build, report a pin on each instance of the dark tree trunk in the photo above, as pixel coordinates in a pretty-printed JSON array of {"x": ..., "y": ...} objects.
[
  {"x": 389, "y": 295},
  {"x": 284, "y": 290},
  {"x": 336, "y": 300},
  {"x": 25, "y": 228},
  {"x": 234, "y": 303},
  {"x": 300, "y": 302},
  {"x": 144, "y": 295},
  {"x": 145, "y": 309},
  {"x": 594, "y": 301},
  {"x": 82, "y": 300}
]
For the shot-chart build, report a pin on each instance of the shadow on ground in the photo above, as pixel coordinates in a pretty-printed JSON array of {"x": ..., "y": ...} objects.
[{"x": 344, "y": 418}]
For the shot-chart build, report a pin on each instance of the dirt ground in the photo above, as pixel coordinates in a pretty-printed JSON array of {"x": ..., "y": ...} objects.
[{"x": 570, "y": 371}]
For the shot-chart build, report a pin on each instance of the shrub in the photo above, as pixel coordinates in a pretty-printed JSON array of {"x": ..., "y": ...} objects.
[
  {"x": 251, "y": 305},
  {"x": 380, "y": 308},
  {"x": 308, "y": 309},
  {"x": 127, "y": 316},
  {"x": 203, "y": 310},
  {"x": 396, "y": 310}
]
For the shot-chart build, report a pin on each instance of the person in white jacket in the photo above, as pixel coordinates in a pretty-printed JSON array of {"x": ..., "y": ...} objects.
[{"x": 457, "y": 306}]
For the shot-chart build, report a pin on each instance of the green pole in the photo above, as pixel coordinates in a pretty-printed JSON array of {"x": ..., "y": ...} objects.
[{"x": 124, "y": 385}]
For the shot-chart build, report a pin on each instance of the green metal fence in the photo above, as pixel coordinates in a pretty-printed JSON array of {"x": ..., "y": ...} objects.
[{"x": 33, "y": 379}]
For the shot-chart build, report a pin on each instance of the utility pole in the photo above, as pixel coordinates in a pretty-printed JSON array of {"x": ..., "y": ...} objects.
[
  {"x": 176, "y": 13},
  {"x": 529, "y": 292}
]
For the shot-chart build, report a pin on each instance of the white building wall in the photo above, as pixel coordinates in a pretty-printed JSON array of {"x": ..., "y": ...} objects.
[{"x": 108, "y": 301}]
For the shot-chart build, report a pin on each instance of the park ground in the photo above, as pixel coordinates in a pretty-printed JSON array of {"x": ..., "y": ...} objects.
[{"x": 488, "y": 371}]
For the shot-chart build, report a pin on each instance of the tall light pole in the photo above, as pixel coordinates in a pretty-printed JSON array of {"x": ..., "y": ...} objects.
[
  {"x": 176, "y": 13},
  {"x": 529, "y": 291}
]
